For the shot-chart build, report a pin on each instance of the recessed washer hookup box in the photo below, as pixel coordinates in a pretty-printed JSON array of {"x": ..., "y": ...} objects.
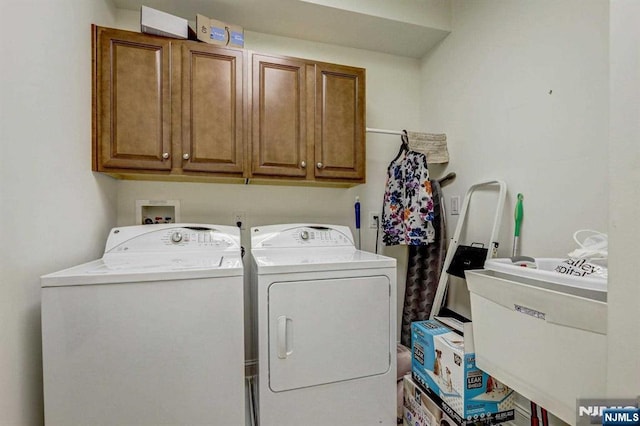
[{"x": 443, "y": 362}]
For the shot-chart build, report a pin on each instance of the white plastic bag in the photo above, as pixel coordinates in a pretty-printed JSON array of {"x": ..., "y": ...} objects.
[
  {"x": 590, "y": 258},
  {"x": 593, "y": 247}
]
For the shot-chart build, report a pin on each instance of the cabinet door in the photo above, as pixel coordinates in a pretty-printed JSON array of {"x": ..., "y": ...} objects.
[
  {"x": 212, "y": 109},
  {"x": 339, "y": 122},
  {"x": 133, "y": 101},
  {"x": 278, "y": 117}
]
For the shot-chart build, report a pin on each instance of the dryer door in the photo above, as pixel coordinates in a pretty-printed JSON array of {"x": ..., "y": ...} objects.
[{"x": 330, "y": 330}]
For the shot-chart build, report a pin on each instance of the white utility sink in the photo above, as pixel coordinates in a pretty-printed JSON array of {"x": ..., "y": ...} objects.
[{"x": 540, "y": 332}]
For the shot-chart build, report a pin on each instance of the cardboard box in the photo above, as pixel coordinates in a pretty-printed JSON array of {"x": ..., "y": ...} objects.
[
  {"x": 443, "y": 362},
  {"x": 219, "y": 33},
  {"x": 236, "y": 36},
  {"x": 422, "y": 408},
  {"x": 159, "y": 23}
]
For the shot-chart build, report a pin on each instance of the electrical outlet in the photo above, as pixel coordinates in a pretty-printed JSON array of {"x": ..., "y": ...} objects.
[
  {"x": 239, "y": 217},
  {"x": 373, "y": 223},
  {"x": 455, "y": 205}
]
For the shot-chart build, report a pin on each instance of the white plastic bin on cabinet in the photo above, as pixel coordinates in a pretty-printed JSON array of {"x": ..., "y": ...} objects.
[{"x": 544, "y": 339}]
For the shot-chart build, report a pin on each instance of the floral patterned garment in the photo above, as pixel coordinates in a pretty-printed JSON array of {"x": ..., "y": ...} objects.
[{"x": 407, "y": 212}]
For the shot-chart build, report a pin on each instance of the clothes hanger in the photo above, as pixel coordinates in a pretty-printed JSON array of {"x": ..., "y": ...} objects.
[{"x": 404, "y": 137}]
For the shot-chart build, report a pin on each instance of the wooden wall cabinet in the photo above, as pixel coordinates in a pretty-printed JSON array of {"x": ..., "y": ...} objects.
[
  {"x": 211, "y": 109},
  {"x": 170, "y": 109},
  {"x": 167, "y": 109},
  {"x": 278, "y": 117},
  {"x": 132, "y": 102},
  {"x": 340, "y": 122},
  {"x": 307, "y": 120}
]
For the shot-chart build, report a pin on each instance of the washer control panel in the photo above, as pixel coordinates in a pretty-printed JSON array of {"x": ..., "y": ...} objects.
[
  {"x": 282, "y": 236},
  {"x": 172, "y": 237},
  {"x": 196, "y": 238}
]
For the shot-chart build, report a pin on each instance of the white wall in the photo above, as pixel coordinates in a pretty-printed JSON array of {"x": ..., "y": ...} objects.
[
  {"x": 521, "y": 89},
  {"x": 392, "y": 103},
  {"x": 54, "y": 212},
  {"x": 487, "y": 86},
  {"x": 623, "y": 372}
]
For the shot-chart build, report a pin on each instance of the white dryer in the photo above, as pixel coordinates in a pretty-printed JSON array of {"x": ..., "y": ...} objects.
[
  {"x": 151, "y": 334},
  {"x": 326, "y": 328}
]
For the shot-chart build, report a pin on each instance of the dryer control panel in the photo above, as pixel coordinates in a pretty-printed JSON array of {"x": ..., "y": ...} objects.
[
  {"x": 301, "y": 235},
  {"x": 172, "y": 238}
]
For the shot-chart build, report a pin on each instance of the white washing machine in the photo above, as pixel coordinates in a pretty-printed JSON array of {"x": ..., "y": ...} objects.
[
  {"x": 326, "y": 328},
  {"x": 151, "y": 334}
]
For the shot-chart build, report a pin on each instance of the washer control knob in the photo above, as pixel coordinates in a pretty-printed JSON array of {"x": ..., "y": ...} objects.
[
  {"x": 176, "y": 237},
  {"x": 304, "y": 235}
]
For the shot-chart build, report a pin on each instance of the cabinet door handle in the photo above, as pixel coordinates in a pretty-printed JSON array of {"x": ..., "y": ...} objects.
[
  {"x": 303, "y": 164},
  {"x": 320, "y": 165},
  {"x": 165, "y": 156},
  {"x": 185, "y": 155}
]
